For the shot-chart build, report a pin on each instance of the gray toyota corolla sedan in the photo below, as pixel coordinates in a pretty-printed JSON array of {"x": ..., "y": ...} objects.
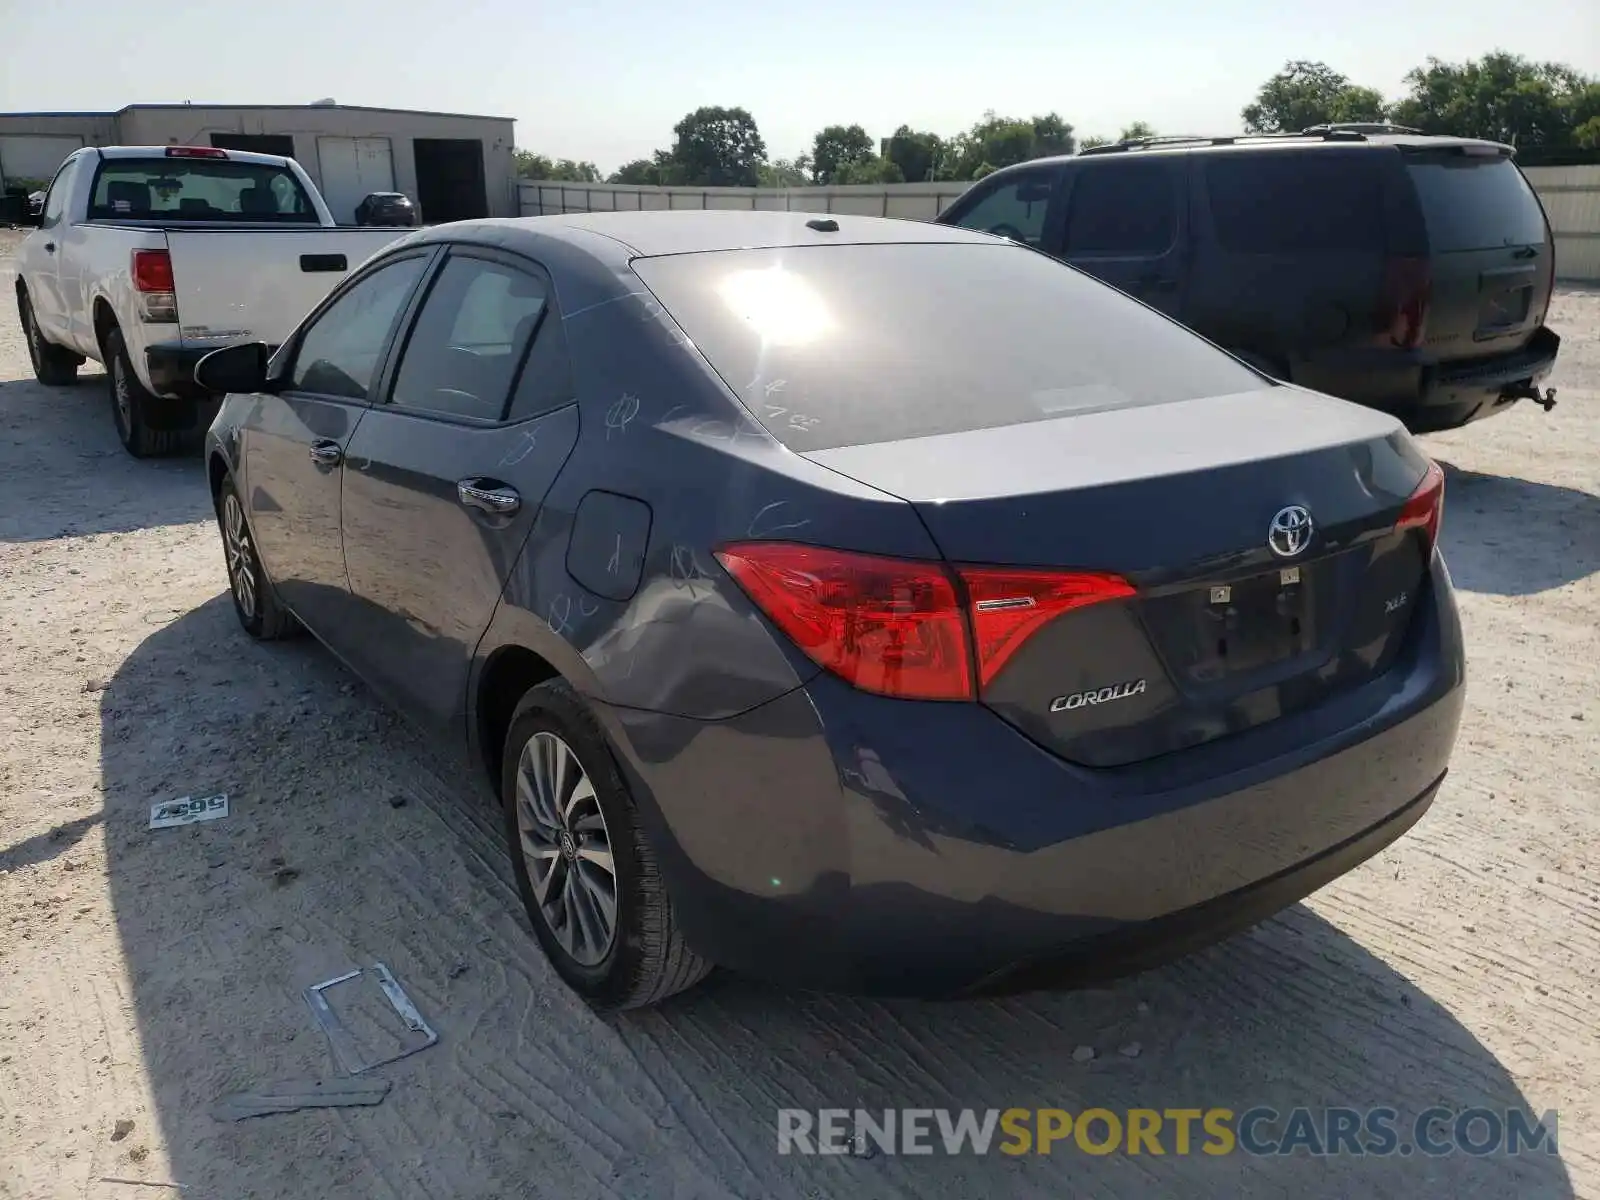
[{"x": 858, "y": 603}]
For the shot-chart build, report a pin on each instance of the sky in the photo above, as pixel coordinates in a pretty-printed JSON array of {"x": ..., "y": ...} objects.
[{"x": 606, "y": 82}]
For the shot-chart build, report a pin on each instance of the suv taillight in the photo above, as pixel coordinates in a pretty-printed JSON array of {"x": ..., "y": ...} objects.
[
  {"x": 1403, "y": 306},
  {"x": 152, "y": 279},
  {"x": 1424, "y": 510},
  {"x": 906, "y": 627}
]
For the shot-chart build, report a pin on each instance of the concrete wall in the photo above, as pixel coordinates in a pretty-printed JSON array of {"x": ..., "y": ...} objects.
[
  {"x": 909, "y": 201},
  {"x": 1571, "y": 196},
  {"x": 194, "y": 125}
]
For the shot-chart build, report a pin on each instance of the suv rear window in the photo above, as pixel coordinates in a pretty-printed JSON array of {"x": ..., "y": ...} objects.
[
  {"x": 843, "y": 345},
  {"x": 1281, "y": 202},
  {"x": 1475, "y": 203},
  {"x": 197, "y": 189}
]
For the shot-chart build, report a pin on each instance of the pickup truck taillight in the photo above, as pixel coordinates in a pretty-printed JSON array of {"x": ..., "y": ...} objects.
[{"x": 152, "y": 280}]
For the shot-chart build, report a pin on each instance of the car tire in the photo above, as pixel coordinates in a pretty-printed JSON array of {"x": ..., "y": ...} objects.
[
  {"x": 560, "y": 846},
  {"x": 52, "y": 365},
  {"x": 131, "y": 404},
  {"x": 260, "y": 612}
]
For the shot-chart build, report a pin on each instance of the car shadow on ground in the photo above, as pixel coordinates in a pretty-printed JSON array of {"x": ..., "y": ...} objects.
[
  {"x": 347, "y": 843},
  {"x": 63, "y": 473},
  {"x": 1513, "y": 537}
]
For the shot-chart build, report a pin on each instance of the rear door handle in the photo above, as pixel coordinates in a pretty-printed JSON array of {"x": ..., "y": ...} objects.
[
  {"x": 485, "y": 495},
  {"x": 327, "y": 453},
  {"x": 50, "y": 247}
]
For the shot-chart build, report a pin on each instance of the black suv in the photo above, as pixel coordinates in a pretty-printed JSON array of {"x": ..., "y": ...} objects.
[{"x": 1405, "y": 272}]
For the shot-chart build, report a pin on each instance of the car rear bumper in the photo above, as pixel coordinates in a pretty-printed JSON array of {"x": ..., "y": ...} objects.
[
  {"x": 1432, "y": 396},
  {"x": 840, "y": 840}
]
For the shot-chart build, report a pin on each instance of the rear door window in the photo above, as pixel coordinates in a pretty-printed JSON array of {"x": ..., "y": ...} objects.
[
  {"x": 1015, "y": 208},
  {"x": 842, "y": 345},
  {"x": 1279, "y": 202},
  {"x": 1475, "y": 203},
  {"x": 1123, "y": 208}
]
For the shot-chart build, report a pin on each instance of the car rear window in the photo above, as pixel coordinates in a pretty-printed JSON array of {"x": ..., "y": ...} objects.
[
  {"x": 1475, "y": 203},
  {"x": 844, "y": 345},
  {"x": 197, "y": 189},
  {"x": 1280, "y": 202}
]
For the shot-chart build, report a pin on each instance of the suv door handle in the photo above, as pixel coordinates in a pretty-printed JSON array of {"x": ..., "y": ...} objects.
[
  {"x": 485, "y": 495},
  {"x": 326, "y": 453}
]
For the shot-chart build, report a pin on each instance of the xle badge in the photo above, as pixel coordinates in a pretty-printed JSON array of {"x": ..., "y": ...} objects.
[{"x": 1105, "y": 695}]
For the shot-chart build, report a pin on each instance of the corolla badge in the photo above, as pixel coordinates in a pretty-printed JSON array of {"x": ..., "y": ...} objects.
[
  {"x": 1290, "y": 531},
  {"x": 1105, "y": 695}
]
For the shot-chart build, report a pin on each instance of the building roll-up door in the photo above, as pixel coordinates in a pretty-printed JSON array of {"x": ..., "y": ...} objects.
[{"x": 352, "y": 169}]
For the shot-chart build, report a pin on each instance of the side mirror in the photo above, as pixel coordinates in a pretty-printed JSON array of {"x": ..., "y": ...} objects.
[{"x": 241, "y": 368}]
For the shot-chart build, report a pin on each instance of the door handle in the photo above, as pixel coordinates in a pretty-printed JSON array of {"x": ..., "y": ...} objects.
[
  {"x": 50, "y": 247},
  {"x": 326, "y": 453},
  {"x": 487, "y": 496}
]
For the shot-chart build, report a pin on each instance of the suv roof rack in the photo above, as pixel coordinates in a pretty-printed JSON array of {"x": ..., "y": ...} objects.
[{"x": 1344, "y": 131}]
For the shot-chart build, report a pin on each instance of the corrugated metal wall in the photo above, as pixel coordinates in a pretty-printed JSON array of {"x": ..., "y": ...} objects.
[{"x": 1571, "y": 196}]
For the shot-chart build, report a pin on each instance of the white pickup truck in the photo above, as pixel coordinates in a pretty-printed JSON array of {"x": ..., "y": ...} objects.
[{"x": 148, "y": 257}]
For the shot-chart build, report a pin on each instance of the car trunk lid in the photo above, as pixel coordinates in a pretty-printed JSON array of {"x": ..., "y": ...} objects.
[{"x": 1258, "y": 530}]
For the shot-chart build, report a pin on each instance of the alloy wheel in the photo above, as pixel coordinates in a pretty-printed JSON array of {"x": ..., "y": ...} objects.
[
  {"x": 119, "y": 389},
  {"x": 566, "y": 848},
  {"x": 241, "y": 562}
]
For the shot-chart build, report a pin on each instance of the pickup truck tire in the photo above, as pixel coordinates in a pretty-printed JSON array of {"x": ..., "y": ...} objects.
[
  {"x": 131, "y": 404},
  {"x": 52, "y": 365},
  {"x": 260, "y": 611}
]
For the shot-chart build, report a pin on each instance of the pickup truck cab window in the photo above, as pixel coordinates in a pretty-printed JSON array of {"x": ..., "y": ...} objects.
[
  {"x": 339, "y": 353},
  {"x": 198, "y": 189}
]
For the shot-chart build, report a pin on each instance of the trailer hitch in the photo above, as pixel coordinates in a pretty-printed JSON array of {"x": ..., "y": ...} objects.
[{"x": 1528, "y": 391}]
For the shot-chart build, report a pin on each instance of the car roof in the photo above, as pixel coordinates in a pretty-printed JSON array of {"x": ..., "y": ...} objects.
[
  {"x": 698, "y": 231},
  {"x": 1258, "y": 143}
]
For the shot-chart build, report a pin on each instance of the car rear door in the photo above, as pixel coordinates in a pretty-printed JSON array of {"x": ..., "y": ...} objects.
[
  {"x": 445, "y": 479},
  {"x": 295, "y": 441},
  {"x": 1491, "y": 253},
  {"x": 1125, "y": 221}
]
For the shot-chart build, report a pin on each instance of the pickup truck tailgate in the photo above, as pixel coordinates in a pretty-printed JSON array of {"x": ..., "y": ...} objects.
[{"x": 238, "y": 285}]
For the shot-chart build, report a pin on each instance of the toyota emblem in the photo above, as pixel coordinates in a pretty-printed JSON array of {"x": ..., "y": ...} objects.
[{"x": 1290, "y": 531}]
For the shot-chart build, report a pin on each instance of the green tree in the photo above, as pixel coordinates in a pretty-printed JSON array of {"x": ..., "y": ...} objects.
[
  {"x": 1309, "y": 93},
  {"x": 1135, "y": 131},
  {"x": 1089, "y": 143},
  {"x": 717, "y": 147},
  {"x": 1052, "y": 135},
  {"x": 998, "y": 141},
  {"x": 786, "y": 172},
  {"x": 916, "y": 153},
  {"x": 870, "y": 170},
  {"x": 539, "y": 166},
  {"x": 836, "y": 147},
  {"x": 639, "y": 171},
  {"x": 1500, "y": 96}
]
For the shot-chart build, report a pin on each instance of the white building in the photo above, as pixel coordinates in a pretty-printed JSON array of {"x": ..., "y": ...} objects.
[{"x": 454, "y": 166}]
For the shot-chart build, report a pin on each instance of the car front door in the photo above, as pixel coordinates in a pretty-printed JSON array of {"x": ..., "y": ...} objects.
[
  {"x": 445, "y": 478},
  {"x": 40, "y": 265},
  {"x": 1124, "y": 221},
  {"x": 294, "y": 440}
]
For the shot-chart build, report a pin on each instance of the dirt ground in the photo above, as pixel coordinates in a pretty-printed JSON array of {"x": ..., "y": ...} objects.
[{"x": 144, "y": 974}]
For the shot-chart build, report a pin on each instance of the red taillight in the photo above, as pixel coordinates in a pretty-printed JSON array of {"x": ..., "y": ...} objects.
[
  {"x": 1407, "y": 295},
  {"x": 1010, "y": 606},
  {"x": 883, "y": 624},
  {"x": 902, "y": 627},
  {"x": 152, "y": 271},
  {"x": 1425, "y": 509},
  {"x": 195, "y": 152}
]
